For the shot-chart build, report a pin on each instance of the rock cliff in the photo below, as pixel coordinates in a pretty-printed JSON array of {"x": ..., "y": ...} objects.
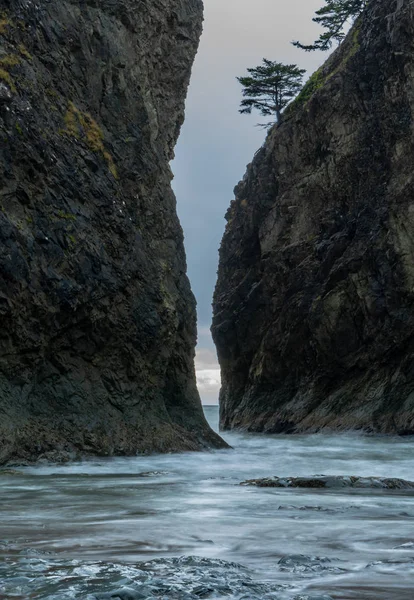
[
  {"x": 314, "y": 305},
  {"x": 97, "y": 319}
]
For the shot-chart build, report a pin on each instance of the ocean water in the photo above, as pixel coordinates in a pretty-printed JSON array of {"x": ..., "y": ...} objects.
[{"x": 182, "y": 526}]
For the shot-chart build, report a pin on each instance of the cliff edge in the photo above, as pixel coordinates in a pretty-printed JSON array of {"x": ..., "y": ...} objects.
[
  {"x": 314, "y": 305},
  {"x": 97, "y": 319}
]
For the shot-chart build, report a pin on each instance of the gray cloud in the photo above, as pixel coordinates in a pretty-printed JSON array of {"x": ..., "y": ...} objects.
[{"x": 208, "y": 375}]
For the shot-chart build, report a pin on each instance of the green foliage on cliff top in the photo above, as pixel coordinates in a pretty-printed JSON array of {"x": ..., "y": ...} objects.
[
  {"x": 334, "y": 17},
  {"x": 269, "y": 87},
  {"x": 314, "y": 83},
  {"x": 319, "y": 78}
]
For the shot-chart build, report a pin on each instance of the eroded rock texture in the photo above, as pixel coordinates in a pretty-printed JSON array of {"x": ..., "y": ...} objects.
[
  {"x": 97, "y": 319},
  {"x": 314, "y": 306}
]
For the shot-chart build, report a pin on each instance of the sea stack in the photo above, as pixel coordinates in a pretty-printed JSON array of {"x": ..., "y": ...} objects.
[
  {"x": 314, "y": 305},
  {"x": 98, "y": 322}
]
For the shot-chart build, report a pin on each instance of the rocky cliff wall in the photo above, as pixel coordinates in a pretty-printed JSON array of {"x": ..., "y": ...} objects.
[
  {"x": 97, "y": 319},
  {"x": 314, "y": 305}
]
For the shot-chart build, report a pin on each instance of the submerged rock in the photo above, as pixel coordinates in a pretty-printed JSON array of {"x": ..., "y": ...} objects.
[
  {"x": 303, "y": 564},
  {"x": 403, "y": 565},
  {"x": 124, "y": 594},
  {"x": 331, "y": 482},
  {"x": 306, "y": 597},
  {"x": 97, "y": 319},
  {"x": 192, "y": 578},
  {"x": 314, "y": 304}
]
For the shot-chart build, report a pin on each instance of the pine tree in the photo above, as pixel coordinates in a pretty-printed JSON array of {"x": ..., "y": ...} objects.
[
  {"x": 333, "y": 17},
  {"x": 269, "y": 88}
]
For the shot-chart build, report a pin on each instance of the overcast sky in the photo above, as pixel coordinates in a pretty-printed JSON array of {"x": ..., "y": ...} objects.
[{"x": 217, "y": 142}]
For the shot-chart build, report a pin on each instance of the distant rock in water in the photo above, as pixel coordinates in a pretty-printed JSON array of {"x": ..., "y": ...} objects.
[
  {"x": 332, "y": 482},
  {"x": 314, "y": 304},
  {"x": 98, "y": 323}
]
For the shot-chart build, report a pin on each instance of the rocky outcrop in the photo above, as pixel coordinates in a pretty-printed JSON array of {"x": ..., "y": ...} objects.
[
  {"x": 97, "y": 319},
  {"x": 314, "y": 305},
  {"x": 332, "y": 482}
]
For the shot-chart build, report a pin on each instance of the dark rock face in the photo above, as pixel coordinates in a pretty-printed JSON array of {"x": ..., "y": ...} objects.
[
  {"x": 314, "y": 305},
  {"x": 97, "y": 319}
]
